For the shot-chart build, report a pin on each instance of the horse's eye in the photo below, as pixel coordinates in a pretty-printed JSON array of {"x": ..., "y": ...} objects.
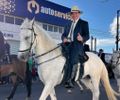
[{"x": 26, "y": 38}]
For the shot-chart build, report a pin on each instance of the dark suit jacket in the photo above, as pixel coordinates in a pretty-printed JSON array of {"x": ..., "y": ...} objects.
[
  {"x": 81, "y": 27},
  {"x": 2, "y": 47},
  {"x": 76, "y": 49}
]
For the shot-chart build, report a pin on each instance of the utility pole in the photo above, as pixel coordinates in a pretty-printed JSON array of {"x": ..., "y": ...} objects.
[
  {"x": 95, "y": 44},
  {"x": 91, "y": 43},
  {"x": 117, "y": 31}
]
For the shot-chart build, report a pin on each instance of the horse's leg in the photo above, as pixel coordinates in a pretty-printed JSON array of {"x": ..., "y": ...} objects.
[
  {"x": 53, "y": 95},
  {"x": 95, "y": 88},
  {"x": 46, "y": 91},
  {"x": 77, "y": 78},
  {"x": 81, "y": 88},
  {"x": 15, "y": 84}
]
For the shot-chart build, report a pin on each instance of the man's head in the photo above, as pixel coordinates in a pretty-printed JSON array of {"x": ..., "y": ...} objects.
[
  {"x": 101, "y": 50},
  {"x": 75, "y": 13}
]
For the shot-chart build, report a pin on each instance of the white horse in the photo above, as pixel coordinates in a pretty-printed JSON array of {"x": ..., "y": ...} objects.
[
  {"x": 115, "y": 61},
  {"x": 32, "y": 36}
]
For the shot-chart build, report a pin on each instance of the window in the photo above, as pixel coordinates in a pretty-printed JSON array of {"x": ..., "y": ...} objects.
[
  {"x": 18, "y": 21},
  {"x": 45, "y": 26},
  {"x": 50, "y": 28},
  {"x": 1, "y": 18},
  {"x": 60, "y": 30},
  {"x": 9, "y": 19},
  {"x": 55, "y": 29}
]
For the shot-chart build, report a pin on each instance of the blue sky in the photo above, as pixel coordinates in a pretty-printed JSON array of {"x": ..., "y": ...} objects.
[{"x": 99, "y": 14}]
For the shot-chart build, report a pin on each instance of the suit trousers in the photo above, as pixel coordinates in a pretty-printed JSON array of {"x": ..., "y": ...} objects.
[{"x": 76, "y": 51}]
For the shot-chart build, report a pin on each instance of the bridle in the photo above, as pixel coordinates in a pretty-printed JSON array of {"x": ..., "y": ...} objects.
[
  {"x": 32, "y": 42},
  {"x": 32, "y": 39}
]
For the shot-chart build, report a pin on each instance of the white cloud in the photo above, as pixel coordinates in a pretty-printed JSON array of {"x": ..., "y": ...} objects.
[
  {"x": 113, "y": 26},
  {"x": 104, "y": 42}
]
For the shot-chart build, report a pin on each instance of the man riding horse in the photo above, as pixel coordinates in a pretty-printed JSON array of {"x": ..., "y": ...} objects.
[{"x": 76, "y": 34}]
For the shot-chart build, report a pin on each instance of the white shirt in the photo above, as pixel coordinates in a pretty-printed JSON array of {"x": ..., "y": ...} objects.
[{"x": 71, "y": 32}]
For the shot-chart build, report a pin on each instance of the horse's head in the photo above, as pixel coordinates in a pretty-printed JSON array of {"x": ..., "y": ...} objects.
[
  {"x": 27, "y": 39},
  {"x": 115, "y": 60}
]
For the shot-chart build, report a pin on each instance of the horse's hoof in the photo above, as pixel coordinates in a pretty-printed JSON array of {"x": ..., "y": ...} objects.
[
  {"x": 27, "y": 98},
  {"x": 7, "y": 99}
]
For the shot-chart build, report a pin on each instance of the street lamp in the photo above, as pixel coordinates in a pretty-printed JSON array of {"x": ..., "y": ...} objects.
[{"x": 117, "y": 31}]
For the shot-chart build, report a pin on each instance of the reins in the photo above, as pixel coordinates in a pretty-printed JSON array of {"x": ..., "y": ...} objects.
[{"x": 47, "y": 52}]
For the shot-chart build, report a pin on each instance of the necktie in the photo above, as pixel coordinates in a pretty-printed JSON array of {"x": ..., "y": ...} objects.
[{"x": 70, "y": 37}]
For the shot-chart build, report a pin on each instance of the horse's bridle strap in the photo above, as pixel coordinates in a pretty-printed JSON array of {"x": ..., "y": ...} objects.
[
  {"x": 47, "y": 52},
  {"x": 49, "y": 59},
  {"x": 29, "y": 49}
]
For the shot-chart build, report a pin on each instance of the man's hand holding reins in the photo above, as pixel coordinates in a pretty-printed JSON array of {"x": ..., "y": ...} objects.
[{"x": 79, "y": 38}]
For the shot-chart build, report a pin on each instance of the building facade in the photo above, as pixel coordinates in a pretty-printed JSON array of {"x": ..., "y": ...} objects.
[{"x": 52, "y": 17}]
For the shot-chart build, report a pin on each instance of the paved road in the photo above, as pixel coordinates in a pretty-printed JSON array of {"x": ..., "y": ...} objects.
[{"x": 62, "y": 93}]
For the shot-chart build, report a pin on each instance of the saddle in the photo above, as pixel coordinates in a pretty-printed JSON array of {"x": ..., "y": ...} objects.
[{"x": 66, "y": 49}]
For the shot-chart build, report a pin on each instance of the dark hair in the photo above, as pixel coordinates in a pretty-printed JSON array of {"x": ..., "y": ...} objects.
[{"x": 101, "y": 50}]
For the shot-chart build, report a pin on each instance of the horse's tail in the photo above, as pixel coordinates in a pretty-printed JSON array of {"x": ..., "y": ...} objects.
[{"x": 105, "y": 80}]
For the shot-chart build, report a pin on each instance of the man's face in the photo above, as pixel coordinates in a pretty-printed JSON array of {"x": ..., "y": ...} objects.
[{"x": 75, "y": 15}]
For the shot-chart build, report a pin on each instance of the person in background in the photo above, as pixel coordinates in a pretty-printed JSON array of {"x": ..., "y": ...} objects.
[
  {"x": 2, "y": 54},
  {"x": 7, "y": 51},
  {"x": 29, "y": 65},
  {"x": 2, "y": 48},
  {"x": 101, "y": 54}
]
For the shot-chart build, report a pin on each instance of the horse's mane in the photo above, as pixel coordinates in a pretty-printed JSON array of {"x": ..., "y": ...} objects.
[
  {"x": 46, "y": 36},
  {"x": 39, "y": 29}
]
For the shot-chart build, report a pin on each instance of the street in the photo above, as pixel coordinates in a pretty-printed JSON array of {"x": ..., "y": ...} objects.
[{"x": 61, "y": 92}]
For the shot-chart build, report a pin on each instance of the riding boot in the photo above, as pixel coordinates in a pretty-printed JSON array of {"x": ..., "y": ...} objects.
[
  {"x": 71, "y": 81},
  {"x": 74, "y": 71}
]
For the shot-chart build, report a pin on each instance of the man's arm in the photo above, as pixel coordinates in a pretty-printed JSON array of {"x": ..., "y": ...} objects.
[
  {"x": 65, "y": 34},
  {"x": 85, "y": 31}
]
